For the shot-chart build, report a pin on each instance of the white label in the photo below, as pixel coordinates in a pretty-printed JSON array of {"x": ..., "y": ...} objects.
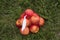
[{"x": 24, "y": 23}]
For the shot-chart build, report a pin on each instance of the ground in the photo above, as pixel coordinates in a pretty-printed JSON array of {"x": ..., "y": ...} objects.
[{"x": 10, "y": 10}]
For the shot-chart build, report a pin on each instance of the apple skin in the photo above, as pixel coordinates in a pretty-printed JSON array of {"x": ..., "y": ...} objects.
[
  {"x": 34, "y": 28},
  {"x": 29, "y": 12},
  {"x": 25, "y": 31},
  {"x": 41, "y": 22},
  {"x": 35, "y": 19}
]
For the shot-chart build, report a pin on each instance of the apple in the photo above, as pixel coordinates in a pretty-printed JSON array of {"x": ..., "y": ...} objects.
[
  {"x": 35, "y": 19},
  {"x": 41, "y": 22},
  {"x": 29, "y": 12},
  {"x": 34, "y": 28},
  {"x": 25, "y": 31},
  {"x": 18, "y": 23}
]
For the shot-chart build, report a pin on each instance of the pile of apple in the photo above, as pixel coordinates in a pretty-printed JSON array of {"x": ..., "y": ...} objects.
[{"x": 33, "y": 22}]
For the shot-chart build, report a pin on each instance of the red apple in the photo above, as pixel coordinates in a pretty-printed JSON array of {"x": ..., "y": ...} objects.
[
  {"x": 29, "y": 12},
  {"x": 18, "y": 23},
  {"x": 34, "y": 29},
  {"x": 35, "y": 19},
  {"x": 41, "y": 22},
  {"x": 25, "y": 31}
]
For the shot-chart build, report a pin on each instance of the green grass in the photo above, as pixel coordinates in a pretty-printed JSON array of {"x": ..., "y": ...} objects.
[{"x": 10, "y": 11}]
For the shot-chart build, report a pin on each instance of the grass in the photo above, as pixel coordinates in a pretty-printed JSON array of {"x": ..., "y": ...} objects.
[{"x": 10, "y": 11}]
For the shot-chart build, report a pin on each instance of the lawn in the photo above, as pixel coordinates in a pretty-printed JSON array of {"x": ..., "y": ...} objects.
[{"x": 10, "y": 11}]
